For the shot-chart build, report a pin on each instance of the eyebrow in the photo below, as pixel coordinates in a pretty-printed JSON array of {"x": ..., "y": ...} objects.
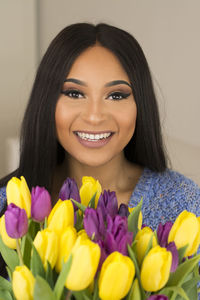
[{"x": 111, "y": 83}]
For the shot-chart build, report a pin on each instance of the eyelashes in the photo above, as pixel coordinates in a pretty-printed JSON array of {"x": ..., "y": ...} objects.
[{"x": 76, "y": 94}]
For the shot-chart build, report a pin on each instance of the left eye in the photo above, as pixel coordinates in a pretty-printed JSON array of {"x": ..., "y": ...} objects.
[{"x": 118, "y": 96}]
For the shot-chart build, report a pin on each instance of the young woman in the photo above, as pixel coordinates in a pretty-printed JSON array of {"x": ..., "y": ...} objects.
[{"x": 93, "y": 112}]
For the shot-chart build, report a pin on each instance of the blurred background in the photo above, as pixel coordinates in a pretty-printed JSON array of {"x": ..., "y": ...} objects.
[{"x": 169, "y": 33}]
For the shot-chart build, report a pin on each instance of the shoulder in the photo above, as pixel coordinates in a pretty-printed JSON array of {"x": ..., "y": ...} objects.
[
  {"x": 175, "y": 186},
  {"x": 2, "y": 198},
  {"x": 165, "y": 195}
]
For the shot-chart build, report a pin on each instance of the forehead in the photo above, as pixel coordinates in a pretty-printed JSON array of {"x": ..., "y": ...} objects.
[{"x": 97, "y": 61}]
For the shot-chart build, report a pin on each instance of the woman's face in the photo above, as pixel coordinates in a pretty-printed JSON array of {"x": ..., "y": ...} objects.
[{"x": 96, "y": 113}]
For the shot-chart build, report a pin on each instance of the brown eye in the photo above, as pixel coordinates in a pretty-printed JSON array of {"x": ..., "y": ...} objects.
[
  {"x": 118, "y": 96},
  {"x": 73, "y": 94}
]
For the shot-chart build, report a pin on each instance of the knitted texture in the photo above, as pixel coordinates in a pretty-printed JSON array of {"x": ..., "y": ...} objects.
[{"x": 165, "y": 196}]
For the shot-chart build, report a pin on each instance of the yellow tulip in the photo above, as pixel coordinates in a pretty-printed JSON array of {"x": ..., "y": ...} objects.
[
  {"x": 8, "y": 241},
  {"x": 17, "y": 192},
  {"x": 61, "y": 216},
  {"x": 186, "y": 230},
  {"x": 116, "y": 276},
  {"x": 85, "y": 260},
  {"x": 66, "y": 242},
  {"x": 89, "y": 187},
  {"x": 46, "y": 243},
  {"x": 130, "y": 209},
  {"x": 143, "y": 238},
  {"x": 23, "y": 283},
  {"x": 155, "y": 269}
]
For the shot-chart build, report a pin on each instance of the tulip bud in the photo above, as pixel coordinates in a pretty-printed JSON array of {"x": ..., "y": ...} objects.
[
  {"x": 61, "y": 216},
  {"x": 85, "y": 260},
  {"x": 46, "y": 243},
  {"x": 16, "y": 221},
  {"x": 123, "y": 210},
  {"x": 17, "y": 192},
  {"x": 143, "y": 237},
  {"x": 66, "y": 242},
  {"x": 163, "y": 233},
  {"x": 108, "y": 204},
  {"x": 116, "y": 276},
  {"x": 94, "y": 223},
  {"x": 155, "y": 269},
  {"x": 158, "y": 297},
  {"x": 69, "y": 190},
  {"x": 23, "y": 283},
  {"x": 8, "y": 241},
  {"x": 186, "y": 230},
  {"x": 89, "y": 187},
  {"x": 40, "y": 204}
]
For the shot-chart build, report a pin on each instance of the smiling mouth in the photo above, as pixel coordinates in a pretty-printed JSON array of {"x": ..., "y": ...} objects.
[{"x": 93, "y": 137}]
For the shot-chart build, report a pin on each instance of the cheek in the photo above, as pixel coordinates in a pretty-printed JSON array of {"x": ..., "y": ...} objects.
[{"x": 128, "y": 120}]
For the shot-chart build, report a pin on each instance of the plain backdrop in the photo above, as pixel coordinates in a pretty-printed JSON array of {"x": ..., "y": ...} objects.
[{"x": 167, "y": 30}]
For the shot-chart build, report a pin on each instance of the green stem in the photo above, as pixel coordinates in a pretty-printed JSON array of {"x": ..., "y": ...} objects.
[
  {"x": 41, "y": 226},
  {"x": 19, "y": 253}
]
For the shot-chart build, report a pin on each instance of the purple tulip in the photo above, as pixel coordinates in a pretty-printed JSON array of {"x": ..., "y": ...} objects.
[
  {"x": 158, "y": 297},
  {"x": 16, "y": 221},
  {"x": 123, "y": 210},
  {"x": 163, "y": 233},
  {"x": 117, "y": 235},
  {"x": 94, "y": 223},
  {"x": 175, "y": 259},
  {"x": 69, "y": 190},
  {"x": 108, "y": 204},
  {"x": 40, "y": 204}
]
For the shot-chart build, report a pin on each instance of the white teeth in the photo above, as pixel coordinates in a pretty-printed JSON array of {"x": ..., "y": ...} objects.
[{"x": 93, "y": 137}]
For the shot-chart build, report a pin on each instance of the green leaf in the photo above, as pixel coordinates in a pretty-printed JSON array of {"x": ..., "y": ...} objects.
[
  {"x": 5, "y": 284},
  {"x": 178, "y": 277},
  {"x": 176, "y": 290},
  {"x": 60, "y": 283},
  {"x": 79, "y": 205},
  {"x": 26, "y": 246},
  {"x": 181, "y": 253},
  {"x": 5, "y": 295},
  {"x": 9, "y": 255},
  {"x": 37, "y": 267},
  {"x": 134, "y": 292},
  {"x": 137, "y": 270},
  {"x": 42, "y": 290},
  {"x": 49, "y": 275},
  {"x": 91, "y": 204},
  {"x": 9, "y": 273},
  {"x": 79, "y": 221},
  {"x": 96, "y": 288},
  {"x": 133, "y": 218}
]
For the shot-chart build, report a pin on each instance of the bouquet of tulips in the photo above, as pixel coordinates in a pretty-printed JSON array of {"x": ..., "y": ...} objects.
[{"x": 85, "y": 247}]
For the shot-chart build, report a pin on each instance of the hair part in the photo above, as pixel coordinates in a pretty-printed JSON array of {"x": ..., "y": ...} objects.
[{"x": 40, "y": 152}]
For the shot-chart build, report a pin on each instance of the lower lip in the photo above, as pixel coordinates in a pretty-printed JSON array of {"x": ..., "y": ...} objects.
[{"x": 96, "y": 144}]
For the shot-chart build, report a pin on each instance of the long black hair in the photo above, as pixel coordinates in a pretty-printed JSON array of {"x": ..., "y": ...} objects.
[{"x": 40, "y": 151}]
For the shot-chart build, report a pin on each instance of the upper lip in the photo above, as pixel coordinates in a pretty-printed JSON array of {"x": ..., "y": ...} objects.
[{"x": 94, "y": 132}]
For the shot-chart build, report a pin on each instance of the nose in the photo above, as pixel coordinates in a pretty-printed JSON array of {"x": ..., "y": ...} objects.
[{"x": 94, "y": 112}]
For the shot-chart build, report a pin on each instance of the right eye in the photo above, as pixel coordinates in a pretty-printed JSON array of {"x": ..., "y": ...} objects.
[{"x": 73, "y": 94}]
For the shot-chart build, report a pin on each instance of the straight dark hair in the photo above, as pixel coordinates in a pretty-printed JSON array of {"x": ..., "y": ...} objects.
[{"x": 40, "y": 151}]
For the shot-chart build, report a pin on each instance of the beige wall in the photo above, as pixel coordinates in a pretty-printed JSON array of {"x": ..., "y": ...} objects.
[
  {"x": 169, "y": 34},
  {"x": 18, "y": 53}
]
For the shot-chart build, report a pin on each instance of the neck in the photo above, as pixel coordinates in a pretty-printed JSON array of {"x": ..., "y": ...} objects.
[{"x": 110, "y": 175}]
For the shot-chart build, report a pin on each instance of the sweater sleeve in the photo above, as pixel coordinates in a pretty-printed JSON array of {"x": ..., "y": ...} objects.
[{"x": 2, "y": 199}]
